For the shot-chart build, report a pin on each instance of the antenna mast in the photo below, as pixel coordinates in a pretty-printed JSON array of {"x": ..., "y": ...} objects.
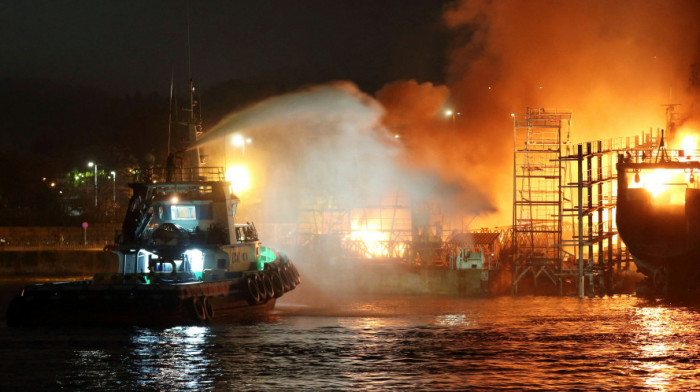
[
  {"x": 170, "y": 111},
  {"x": 194, "y": 124}
]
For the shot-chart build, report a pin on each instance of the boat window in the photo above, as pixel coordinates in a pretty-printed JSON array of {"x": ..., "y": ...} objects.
[
  {"x": 183, "y": 213},
  {"x": 160, "y": 213}
]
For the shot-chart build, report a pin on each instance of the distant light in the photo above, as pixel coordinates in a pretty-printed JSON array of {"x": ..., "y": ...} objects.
[
  {"x": 43, "y": 179},
  {"x": 237, "y": 140},
  {"x": 91, "y": 164},
  {"x": 448, "y": 112},
  {"x": 113, "y": 173},
  {"x": 540, "y": 87},
  {"x": 60, "y": 192},
  {"x": 397, "y": 136},
  {"x": 489, "y": 87},
  {"x": 53, "y": 184},
  {"x": 174, "y": 200},
  {"x": 512, "y": 114},
  {"x": 248, "y": 140}
]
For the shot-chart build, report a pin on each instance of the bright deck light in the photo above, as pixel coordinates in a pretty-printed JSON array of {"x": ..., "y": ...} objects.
[{"x": 196, "y": 258}]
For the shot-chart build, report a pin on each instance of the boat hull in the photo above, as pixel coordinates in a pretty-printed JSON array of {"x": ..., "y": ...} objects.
[
  {"x": 664, "y": 240},
  {"x": 90, "y": 302}
]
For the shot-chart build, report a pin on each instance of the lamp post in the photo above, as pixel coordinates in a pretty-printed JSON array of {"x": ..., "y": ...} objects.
[
  {"x": 453, "y": 114},
  {"x": 114, "y": 186},
  {"x": 91, "y": 164},
  {"x": 240, "y": 141}
]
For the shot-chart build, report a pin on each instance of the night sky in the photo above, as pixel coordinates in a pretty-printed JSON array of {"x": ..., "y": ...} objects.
[
  {"x": 127, "y": 46},
  {"x": 89, "y": 80}
]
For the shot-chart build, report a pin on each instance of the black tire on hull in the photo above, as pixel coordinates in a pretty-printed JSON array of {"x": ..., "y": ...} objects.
[
  {"x": 208, "y": 309},
  {"x": 286, "y": 279},
  {"x": 277, "y": 283},
  {"x": 250, "y": 290},
  {"x": 295, "y": 272},
  {"x": 292, "y": 278},
  {"x": 198, "y": 307},
  {"x": 269, "y": 289},
  {"x": 261, "y": 287}
]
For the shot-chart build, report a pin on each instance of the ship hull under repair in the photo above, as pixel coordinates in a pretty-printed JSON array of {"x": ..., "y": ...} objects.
[{"x": 663, "y": 238}]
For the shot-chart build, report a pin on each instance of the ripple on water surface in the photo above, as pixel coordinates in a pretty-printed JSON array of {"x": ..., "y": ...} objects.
[{"x": 535, "y": 343}]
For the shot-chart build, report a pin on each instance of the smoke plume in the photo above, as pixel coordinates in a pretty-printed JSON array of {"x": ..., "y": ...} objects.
[
  {"x": 612, "y": 63},
  {"x": 326, "y": 145}
]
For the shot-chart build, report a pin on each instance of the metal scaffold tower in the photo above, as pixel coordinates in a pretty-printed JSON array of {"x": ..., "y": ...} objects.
[
  {"x": 564, "y": 199},
  {"x": 538, "y": 196},
  {"x": 597, "y": 250}
]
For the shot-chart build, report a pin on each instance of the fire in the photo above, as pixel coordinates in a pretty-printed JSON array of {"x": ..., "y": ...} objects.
[
  {"x": 666, "y": 186},
  {"x": 374, "y": 242},
  {"x": 689, "y": 143},
  {"x": 239, "y": 177},
  {"x": 656, "y": 181}
]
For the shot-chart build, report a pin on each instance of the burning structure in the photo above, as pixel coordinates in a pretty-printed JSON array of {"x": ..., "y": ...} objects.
[
  {"x": 583, "y": 212},
  {"x": 563, "y": 207},
  {"x": 658, "y": 214}
]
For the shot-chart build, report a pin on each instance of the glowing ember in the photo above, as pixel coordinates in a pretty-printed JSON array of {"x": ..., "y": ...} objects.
[{"x": 239, "y": 177}]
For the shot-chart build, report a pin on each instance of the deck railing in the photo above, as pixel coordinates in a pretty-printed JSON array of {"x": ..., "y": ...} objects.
[{"x": 178, "y": 174}]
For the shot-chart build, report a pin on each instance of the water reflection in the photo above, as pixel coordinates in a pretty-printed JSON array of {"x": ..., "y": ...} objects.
[
  {"x": 173, "y": 357},
  {"x": 660, "y": 344},
  {"x": 453, "y": 320},
  {"x": 619, "y": 343}
]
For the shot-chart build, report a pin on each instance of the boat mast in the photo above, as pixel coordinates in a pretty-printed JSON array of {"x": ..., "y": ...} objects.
[{"x": 194, "y": 123}]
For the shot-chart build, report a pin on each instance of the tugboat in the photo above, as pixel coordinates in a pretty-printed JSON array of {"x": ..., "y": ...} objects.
[{"x": 182, "y": 258}]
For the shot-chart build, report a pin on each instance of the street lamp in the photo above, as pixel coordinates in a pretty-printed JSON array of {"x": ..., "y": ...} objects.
[
  {"x": 239, "y": 141},
  {"x": 114, "y": 186},
  {"x": 91, "y": 164},
  {"x": 453, "y": 114}
]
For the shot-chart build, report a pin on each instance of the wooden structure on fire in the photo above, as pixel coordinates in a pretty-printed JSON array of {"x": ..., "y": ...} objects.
[
  {"x": 563, "y": 205},
  {"x": 378, "y": 227}
]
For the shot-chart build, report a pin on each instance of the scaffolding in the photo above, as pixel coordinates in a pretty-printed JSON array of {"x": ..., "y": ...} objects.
[
  {"x": 597, "y": 251},
  {"x": 539, "y": 199},
  {"x": 564, "y": 203}
]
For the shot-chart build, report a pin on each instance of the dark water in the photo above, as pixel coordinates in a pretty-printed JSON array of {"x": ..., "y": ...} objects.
[{"x": 619, "y": 343}]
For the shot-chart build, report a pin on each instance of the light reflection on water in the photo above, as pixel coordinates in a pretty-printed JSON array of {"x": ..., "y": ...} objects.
[{"x": 618, "y": 343}]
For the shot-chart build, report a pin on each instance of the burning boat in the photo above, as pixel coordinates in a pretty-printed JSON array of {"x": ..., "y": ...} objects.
[
  {"x": 658, "y": 216},
  {"x": 182, "y": 259}
]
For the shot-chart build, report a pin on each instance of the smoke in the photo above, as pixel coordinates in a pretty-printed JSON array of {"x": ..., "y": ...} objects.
[
  {"x": 325, "y": 148},
  {"x": 323, "y": 141},
  {"x": 436, "y": 142},
  {"x": 612, "y": 63}
]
